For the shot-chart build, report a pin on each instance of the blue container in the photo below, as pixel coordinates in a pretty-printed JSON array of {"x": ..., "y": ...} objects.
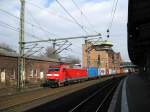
[{"x": 92, "y": 72}]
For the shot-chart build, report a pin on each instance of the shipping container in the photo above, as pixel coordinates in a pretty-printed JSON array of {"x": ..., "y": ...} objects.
[
  {"x": 92, "y": 72},
  {"x": 110, "y": 71},
  {"x": 114, "y": 71},
  {"x": 107, "y": 71},
  {"x": 99, "y": 72},
  {"x": 103, "y": 71}
]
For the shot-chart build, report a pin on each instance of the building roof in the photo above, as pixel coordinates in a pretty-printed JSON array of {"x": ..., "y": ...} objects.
[
  {"x": 5, "y": 48},
  {"x": 103, "y": 45},
  {"x": 15, "y": 55},
  {"x": 104, "y": 42},
  {"x": 127, "y": 64}
]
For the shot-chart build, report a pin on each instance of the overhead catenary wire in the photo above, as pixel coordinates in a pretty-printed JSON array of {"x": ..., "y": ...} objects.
[
  {"x": 82, "y": 13},
  {"x": 112, "y": 8},
  {"x": 71, "y": 16},
  {"x": 60, "y": 46},
  {"x": 40, "y": 26},
  {"x": 62, "y": 17},
  {"x": 27, "y": 22},
  {"x": 75, "y": 51},
  {"x": 39, "y": 7},
  {"x": 74, "y": 45},
  {"x": 113, "y": 12},
  {"x": 16, "y": 29},
  {"x": 6, "y": 12},
  {"x": 5, "y": 25},
  {"x": 64, "y": 48},
  {"x": 34, "y": 52}
]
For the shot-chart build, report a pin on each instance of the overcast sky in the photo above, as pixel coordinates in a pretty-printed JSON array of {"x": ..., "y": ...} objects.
[{"x": 47, "y": 15}]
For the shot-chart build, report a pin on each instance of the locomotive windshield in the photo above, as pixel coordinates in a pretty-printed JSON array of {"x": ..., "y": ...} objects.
[{"x": 53, "y": 69}]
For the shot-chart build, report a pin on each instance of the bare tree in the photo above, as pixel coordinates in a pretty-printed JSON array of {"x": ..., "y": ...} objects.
[
  {"x": 50, "y": 53},
  {"x": 6, "y": 47},
  {"x": 75, "y": 60},
  {"x": 72, "y": 60}
]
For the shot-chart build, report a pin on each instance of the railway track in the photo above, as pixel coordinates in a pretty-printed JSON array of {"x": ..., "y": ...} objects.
[
  {"x": 7, "y": 91},
  {"x": 25, "y": 101},
  {"x": 92, "y": 99},
  {"x": 32, "y": 99},
  {"x": 99, "y": 100}
]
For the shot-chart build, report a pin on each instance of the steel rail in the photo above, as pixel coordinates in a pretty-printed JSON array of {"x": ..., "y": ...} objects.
[
  {"x": 41, "y": 99},
  {"x": 91, "y": 96},
  {"x": 105, "y": 99}
]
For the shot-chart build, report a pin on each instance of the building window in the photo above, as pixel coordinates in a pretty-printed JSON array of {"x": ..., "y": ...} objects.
[
  {"x": 3, "y": 76},
  {"x": 13, "y": 74},
  {"x": 31, "y": 73},
  {"x": 35, "y": 72}
]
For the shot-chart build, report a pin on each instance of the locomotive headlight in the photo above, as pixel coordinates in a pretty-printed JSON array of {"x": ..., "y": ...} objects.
[
  {"x": 56, "y": 74},
  {"x": 49, "y": 74}
]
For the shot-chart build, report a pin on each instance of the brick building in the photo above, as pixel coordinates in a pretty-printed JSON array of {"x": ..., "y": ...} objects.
[
  {"x": 35, "y": 69},
  {"x": 101, "y": 55}
]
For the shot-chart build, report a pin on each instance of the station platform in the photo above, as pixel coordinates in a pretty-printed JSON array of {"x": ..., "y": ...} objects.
[{"x": 132, "y": 94}]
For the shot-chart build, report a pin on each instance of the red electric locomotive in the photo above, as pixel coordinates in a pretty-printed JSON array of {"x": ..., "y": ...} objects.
[{"x": 63, "y": 75}]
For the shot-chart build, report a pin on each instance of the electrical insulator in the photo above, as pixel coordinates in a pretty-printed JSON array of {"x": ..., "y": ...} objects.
[
  {"x": 107, "y": 33},
  {"x": 107, "y": 36},
  {"x": 107, "y": 30}
]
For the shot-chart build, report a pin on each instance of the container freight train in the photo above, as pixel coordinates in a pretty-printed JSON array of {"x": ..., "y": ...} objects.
[{"x": 63, "y": 75}]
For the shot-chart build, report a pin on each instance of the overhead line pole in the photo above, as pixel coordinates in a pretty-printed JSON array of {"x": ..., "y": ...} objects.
[
  {"x": 21, "y": 60},
  {"x": 87, "y": 54}
]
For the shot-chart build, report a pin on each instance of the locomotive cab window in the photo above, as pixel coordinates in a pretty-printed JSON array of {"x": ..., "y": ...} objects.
[{"x": 53, "y": 69}]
